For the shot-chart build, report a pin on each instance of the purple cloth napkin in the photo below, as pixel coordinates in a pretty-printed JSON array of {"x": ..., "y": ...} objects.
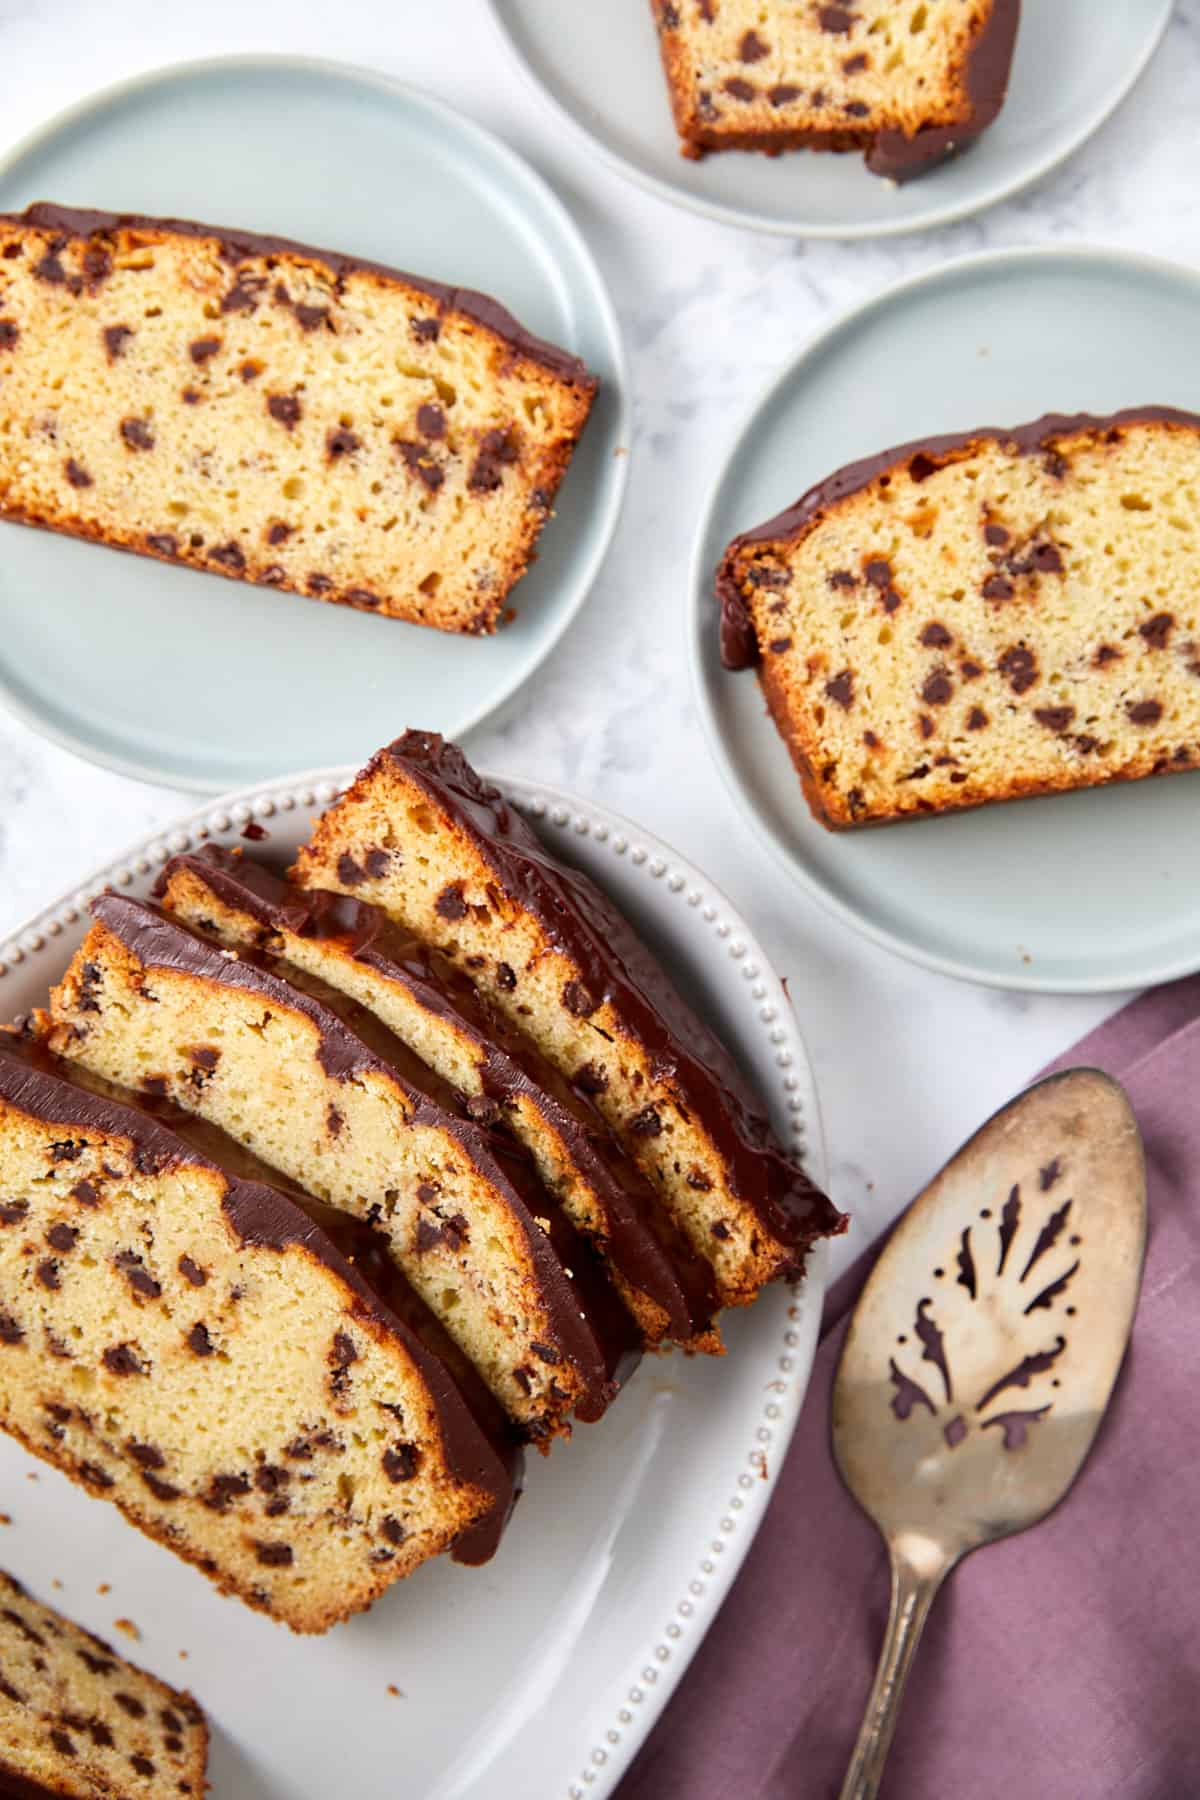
[{"x": 1063, "y": 1664}]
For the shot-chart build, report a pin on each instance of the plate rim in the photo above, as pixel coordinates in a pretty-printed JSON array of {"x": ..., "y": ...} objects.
[
  {"x": 659, "y": 1666},
  {"x": 746, "y": 219},
  {"x": 489, "y": 144},
  {"x": 699, "y": 597}
]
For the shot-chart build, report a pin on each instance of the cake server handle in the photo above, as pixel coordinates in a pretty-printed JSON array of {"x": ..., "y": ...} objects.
[{"x": 918, "y": 1570}]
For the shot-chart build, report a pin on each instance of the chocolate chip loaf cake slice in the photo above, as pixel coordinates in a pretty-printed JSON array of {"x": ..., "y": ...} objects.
[
  {"x": 907, "y": 85},
  {"x": 421, "y": 835},
  {"x": 318, "y": 1088},
  {"x": 278, "y": 414},
  {"x": 419, "y": 995},
  {"x": 77, "y": 1720},
  {"x": 187, "y": 1342},
  {"x": 981, "y": 617}
]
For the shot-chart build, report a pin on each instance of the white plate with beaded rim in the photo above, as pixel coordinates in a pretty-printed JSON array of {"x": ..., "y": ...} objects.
[
  {"x": 1088, "y": 892},
  {"x": 604, "y": 79},
  {"x": 173, "y": 675},
  {"x": 540, "y": 1675}
]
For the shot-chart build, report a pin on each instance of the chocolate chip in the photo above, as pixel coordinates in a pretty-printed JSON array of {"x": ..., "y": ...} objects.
[
  {"x": 163, "y": 544},
  {"x": 995, "y": 534},
  {"x": 779, "y": 646},
  {"x": 147, "y": 1456},
  {"x": 191, "y": 397},
  {"x": 720, "y": 1230},
  {"x": 835, "y": 19},
  {"x": 1105, "y": 654},
  {"x": 333, "y": 1121},
  {"x": 998, "y": 587},
  {"x": 285, "y": 408},
  {"x": 349, "y": 872},
  {"x": 310, "y": 318},
  {"x": 937, "y": 687},
  {"x": 1054, "y": 718},
  {"x": 1019, "y": 668},
  {"x": 431, "y": 421},
  {"x": 1046, "y": 559},
  {"x": 119, "y": 1359},
  {"x": 162, "y": 1490},
  {"x": 47, "y": 1274},
  {"x": 496, "y": 450},
  {"x": 870, "y": 740},
  {"x": 970, "y": 671},
  {"x": 591, "y": 1078},
  {"x": 8, "y": 334},
  {"x": 546, "y": 1352},
  {"x": 77, "y": 475},
  {"x": 137, "y": 434},
  {"x": 752, "y": 48},
  {"x": 878, "y": 572},
  {"x": 171, "y": 1722},
  {"x": 697, "y": 1179},
  {"x": 278, "y": 533},
  {"x": 401, "y": 1462},
  {"x": 842, "y": 578},
  {"x": 1086, "y": 743},
  {"x": 98, "y": 1665},
  {"x": 841, "y": 689},
  {"x": 425, "y": 330},
  {"x": 10, "y": 1331},
  {"x": 134, "y": 1269},
  {"x": 224, "y": 1488},
  {"x": 95, "y": 1476},
  {"x": 392, "y": 1529},
  {"x": 198, "y": 1340},
  {"x": 115, "y": 339},
  {"x": 229, "y": 556},
  {"x": 202, "y": 350},
  {"x": 245, "y": 294},
  {"x": 647, "y": 1123},
  {"x": 155, "y": 1085},
  {"x": 1144, "y": 712},
  {"x": 358, "y": 596},
  {"x": 250, "y": 370},
  {"x": 13, "y": 1211},
  {"x": 738, "y": 89},
  {"x": 420, "y": 463},
  {"x": 506, "y": 977},
  {"x": 341, "y": 443},
  {"x": 976, "y": 719},
  {"x": 853, "y": 64},
  {"x": 275, "y": 1556},
  {"x": 925, "y": 725},
  {"x": 62, "y": 1743},
  {"x": 858, "y": 109},
  {"x": 142, "y": 1764},
  {"x": 1157, "y": 630},
  {"x": 783, "y": 93},
  {"x": 935, "y": 635},
  {"x": 342, "y": 1351},
  {"x": 450, "y": 903},
  {"x": 130, "y": 1704},
  {"x": 578, "y": 1001}
]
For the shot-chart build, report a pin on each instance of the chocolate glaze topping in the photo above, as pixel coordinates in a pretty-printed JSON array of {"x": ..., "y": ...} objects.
[
  {"x": 739, "y": 646},
  {"x": 617, "y": 967},
  {"x": 672, "y": 1274},
  {"x": 239, "y": 246},
  {"x": 898, "y": 157},
  {"x": 591, "y": 1328},
  {"x": 476, "y": 1438}
]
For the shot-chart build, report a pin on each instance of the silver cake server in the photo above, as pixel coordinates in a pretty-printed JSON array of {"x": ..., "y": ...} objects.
[{"x": 984, "y": 1349}]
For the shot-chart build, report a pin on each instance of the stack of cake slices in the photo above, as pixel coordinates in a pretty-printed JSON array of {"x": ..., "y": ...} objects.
[{"x": 325, "y": 1194}]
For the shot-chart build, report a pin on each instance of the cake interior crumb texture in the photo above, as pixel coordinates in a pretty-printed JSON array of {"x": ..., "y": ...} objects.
[
  {"x": 277, "y": 414},
  {"x": 193, "y": 1349},
  {"x": 77, "y": 1720},
  {"x": 907, "y": 83},
  {"x": 982, "y": 618}
]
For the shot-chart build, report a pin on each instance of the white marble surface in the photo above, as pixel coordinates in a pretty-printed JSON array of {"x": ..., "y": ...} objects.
[{"x": 907, "y": 1063}]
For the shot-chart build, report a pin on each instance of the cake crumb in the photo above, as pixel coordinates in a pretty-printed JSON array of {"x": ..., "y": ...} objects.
[
  {"x": 5, "y": 1519},
  {"x": 183, "y": 1656},
  {"x": 254, "y": 831},
  {"x": 31, "y": 1475},
  {"x": 104, "y": 1588},
  {"x": 397, "y": 1693},
  {"x": 128, "y": 1627},
  {"x": 55, "y": 1582}
]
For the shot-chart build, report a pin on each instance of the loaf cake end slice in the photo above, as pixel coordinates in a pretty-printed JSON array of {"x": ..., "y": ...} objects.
[
  {"x": 78, "y": 1720},
  {"x": 981, "y": 617},
  {"x": 422, "y": 836},
  {"x": 908, "y": 86},
  {"x": 277, "y": 414},
  {"x": 188, "y": 1343},
  {"x": 501, "y": 1077}
]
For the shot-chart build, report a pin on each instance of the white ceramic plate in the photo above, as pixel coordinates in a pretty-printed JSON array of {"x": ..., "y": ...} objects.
[
  {"x": 1088, "y": 892},
  {"x": 186, "y": 678},
  {"x": 1074, "y": 64},
  {"x": 538, "y": 1677}
]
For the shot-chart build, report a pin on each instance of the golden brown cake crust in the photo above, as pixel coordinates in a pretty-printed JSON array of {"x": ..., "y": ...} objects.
[
  {"x": 1039, "y": 615},
  {"x": 836, "y": 77},
  {"x": 269, "y": 394}
]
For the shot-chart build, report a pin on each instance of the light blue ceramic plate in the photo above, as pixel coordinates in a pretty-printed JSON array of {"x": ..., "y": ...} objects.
[
  {"x": 1087, "y": 892},
  {"x": 1075, "y": 62},
  {"x": 208, "y": 684}
]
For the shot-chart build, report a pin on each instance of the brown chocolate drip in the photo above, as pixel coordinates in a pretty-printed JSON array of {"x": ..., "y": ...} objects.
[
  {"x": 476, "y": 1439},
  {"x": 237, "y": 246},
  {"x": 899, "y": 157},
  {"x": 739, "y": 647},
  {"x": 670, "y": 1273},
  {"x": 351, "y": 1041},
  {"x": 616, "y": 967}
]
